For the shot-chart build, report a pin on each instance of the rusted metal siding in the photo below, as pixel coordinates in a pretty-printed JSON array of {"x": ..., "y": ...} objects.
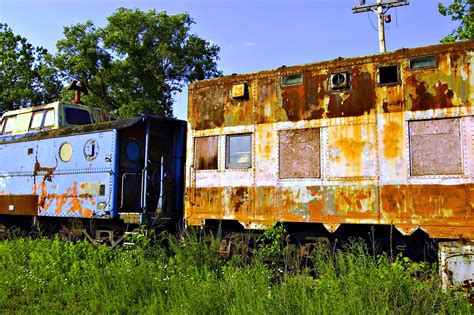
[
  {"x": 264, "y": 205},
  {"x": 268, "y": 107},
  {"x": 18, "y": 205},
  {"x": 352, "y": 151},
  {"x": 378, "y": 163},
  {"x": 78, "y": 187},
  {"x": 447, "y": 85}
]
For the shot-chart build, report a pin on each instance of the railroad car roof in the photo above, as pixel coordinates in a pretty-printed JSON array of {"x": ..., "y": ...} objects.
[
  {"x": 109, "y": 125},
  {"x": 339, "y": 63}
]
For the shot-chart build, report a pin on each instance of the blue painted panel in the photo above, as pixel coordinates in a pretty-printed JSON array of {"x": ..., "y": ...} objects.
[{"x": 79, "y": 187}]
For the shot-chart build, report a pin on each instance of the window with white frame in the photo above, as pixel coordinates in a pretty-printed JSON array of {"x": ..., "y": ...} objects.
[
  {"x": 239, "y": 151},
  {"x": 49, "y": 119},
  {"x": 9, "y": 124},
  {"x": 36, "y": 120}
]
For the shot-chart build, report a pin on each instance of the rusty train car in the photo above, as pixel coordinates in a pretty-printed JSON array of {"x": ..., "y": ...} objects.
[
  {"x": 341, "y": 147},
  {"x": 352, "y": 143},
  {"x": 61, "y": 161}
]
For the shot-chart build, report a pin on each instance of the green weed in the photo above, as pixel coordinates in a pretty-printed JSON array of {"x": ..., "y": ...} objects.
[{"x": 186, "y": 275}]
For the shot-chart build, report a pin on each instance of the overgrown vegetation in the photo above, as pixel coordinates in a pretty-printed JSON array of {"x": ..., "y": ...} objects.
[
  {"x": 134, "y": 65},
  {"x": 27, "y": 73},
  {"x": 186, "y": 275},
  {"x": 461, "y": 11}
]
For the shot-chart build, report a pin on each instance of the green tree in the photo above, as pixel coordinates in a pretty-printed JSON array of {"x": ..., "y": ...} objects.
[
  {"x": 27, "y": 75},
  {"x": 462, "y": 11},
  {"x": 137, "y": 62}
]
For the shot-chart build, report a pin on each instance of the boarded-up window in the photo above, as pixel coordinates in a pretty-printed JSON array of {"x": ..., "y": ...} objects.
[
  {"x": 206, "y": 153},
  {"x": 299, "y": 153},
  {"x": 435, "y": 147}
]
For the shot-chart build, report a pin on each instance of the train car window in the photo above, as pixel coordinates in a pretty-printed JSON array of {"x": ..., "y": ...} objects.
[
  {"x": 239, "y": 151},
  {"x": 435, "y": 147},
  {"x": 299, "y": 153},
  {"x": 133, "y": 150},
  {"x": 422, "y": 62},
  {"x": 65, "y": 152},
  {"x": 205, "y": 153},
  {"x": 9, "y": 124},
  {"x": 292, "y": 79},
  {"x": 49, "y": 118},
  {"x": 36, "y": 120},
  {"x": 389, "y": 74},
  {"x": 76, "y": 116}
]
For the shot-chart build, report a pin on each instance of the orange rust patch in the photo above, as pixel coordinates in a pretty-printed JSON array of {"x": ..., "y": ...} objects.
[
  {"x": 23, "y": 204},
  {"x": 305, "y": 101},
  {"x": 48, "y": 171},
  {"x": 316, "y": 207},
  {"x": 70, "y": 197},
  {"x": 358, "y": 100},
  {"x": 440, "y": 201},
  {"x": 240, "y": 199},
  {"x": 393, "y": 98},
  {"x": 443, "y": 205},
  {"x": 392, "y": 136},
  {"x": 444, "y": 210},
  {"x": 351, "y": 149},
  {"x": 210, "y": 105}
]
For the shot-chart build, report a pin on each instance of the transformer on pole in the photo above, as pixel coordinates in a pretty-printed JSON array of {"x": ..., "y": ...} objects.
[{"x": 381, "y": 7}]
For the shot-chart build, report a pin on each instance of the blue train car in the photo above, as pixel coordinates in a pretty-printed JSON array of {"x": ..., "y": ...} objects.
[{"x": 131, "y": 169}]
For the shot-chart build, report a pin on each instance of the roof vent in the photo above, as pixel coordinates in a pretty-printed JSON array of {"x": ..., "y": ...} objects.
[
  {"x": 78, "y": 87},
  {"x": 339, "y": 81}
]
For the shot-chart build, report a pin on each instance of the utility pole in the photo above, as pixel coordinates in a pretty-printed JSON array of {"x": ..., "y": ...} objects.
[{"x": 381, "y": 7}]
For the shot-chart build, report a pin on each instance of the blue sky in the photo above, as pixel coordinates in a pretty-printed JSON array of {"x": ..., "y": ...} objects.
[{"x": 253, "y": 34}]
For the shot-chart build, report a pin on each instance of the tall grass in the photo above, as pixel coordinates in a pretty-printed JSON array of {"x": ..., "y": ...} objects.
[{"x": 187, "y": 276}]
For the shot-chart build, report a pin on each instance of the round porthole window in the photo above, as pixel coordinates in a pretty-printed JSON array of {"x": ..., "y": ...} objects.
[
  {"x": 91, "y": 150},
  {"x": 65, "y": 152},
  {"x": 133, "y": 150}
]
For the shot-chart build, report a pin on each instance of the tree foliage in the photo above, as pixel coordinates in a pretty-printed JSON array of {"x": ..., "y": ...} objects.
[
  {"x": 137, "y": 62},
  {"x": 27, "y": 75},
  {"x": 462, "y": 11}
]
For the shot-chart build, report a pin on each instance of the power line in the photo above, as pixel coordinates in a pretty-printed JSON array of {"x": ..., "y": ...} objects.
[
  {"x": 381, "y": 7},
  {"x": 370, "y": 20}
]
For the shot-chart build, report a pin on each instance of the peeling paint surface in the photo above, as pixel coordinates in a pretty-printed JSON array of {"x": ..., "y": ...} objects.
[
  {"x": 399, "y": 154},
  {"x": 457, "y": 266},
  {"x": 38, "y": 182}
]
